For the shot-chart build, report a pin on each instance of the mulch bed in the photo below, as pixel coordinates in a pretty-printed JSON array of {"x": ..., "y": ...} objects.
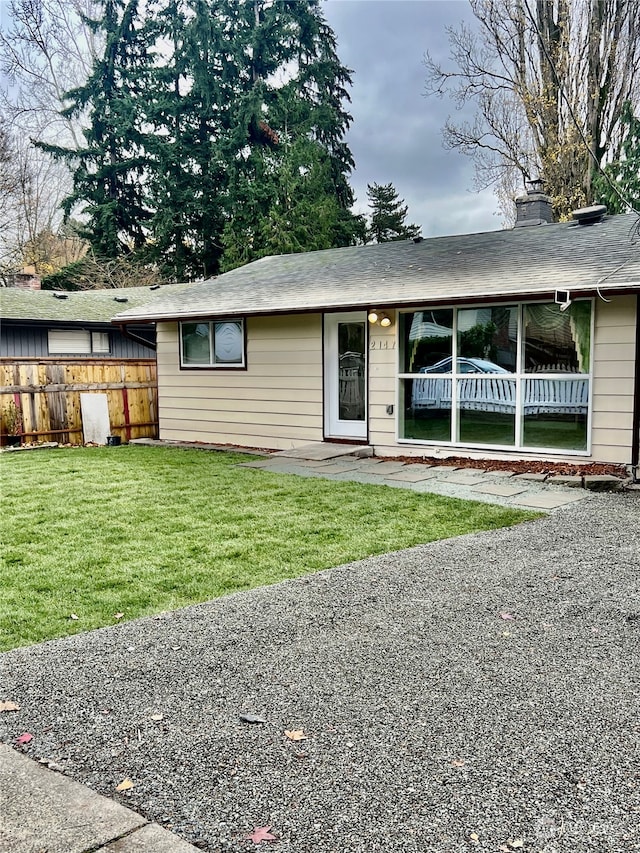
[{"x": 519, "y": 466}]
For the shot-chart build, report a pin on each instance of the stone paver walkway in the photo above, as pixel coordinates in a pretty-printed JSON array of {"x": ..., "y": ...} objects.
[{"x": 348, "y": 462}]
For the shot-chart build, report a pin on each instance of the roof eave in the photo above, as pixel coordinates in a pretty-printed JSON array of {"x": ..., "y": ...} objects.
[{"x": 448, "y": 299}]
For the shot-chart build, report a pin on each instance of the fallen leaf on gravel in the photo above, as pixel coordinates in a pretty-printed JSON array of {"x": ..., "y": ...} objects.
[
  {"x": 251, "y": 718},
  {"x": 458, "y": 762},
  {"x": 157, "y": 717},
  {"x": 515, "y": 843},
  {"x": 260, "y": 833},
  {"x": 474, "y": 838},
  {"x": 25, "y": 738},
  {"x": 125, "y": 785},
  {"x": 507, "y": 616},
  {"x": 8, "y": 706},
  {"x": 118, "y": 615},
  {"x": 73, "y": 616},
  {"x": 295, "y": 734}
]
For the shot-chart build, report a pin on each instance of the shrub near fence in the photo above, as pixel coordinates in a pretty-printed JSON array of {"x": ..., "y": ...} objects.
[{"x": 47, "y": 392}]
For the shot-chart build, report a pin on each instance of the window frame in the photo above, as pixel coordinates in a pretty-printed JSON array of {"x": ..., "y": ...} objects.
[
  {"x": 519, "y": 375},
  {"x": 212, "y": 365},
  {"x": 89, "y": 341}
]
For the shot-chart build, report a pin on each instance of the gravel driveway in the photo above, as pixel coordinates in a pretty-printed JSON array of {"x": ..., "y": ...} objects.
[{"x": 434, "y": 721}]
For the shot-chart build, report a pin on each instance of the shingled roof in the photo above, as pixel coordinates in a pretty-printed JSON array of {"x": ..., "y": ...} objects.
[
  {"x": 519, "y": 263},
  {"x": 82, "y": 306}
]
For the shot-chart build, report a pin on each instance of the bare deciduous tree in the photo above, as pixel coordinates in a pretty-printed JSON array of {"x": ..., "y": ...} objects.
[
  {"x": 46, "y": 49},
  {"x": 549, "y": 79}
]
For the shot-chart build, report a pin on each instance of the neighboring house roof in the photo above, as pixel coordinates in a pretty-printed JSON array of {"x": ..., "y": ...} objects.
[
  {"x": 522, "y": 262},
  {"x": 81, "y": 306}
]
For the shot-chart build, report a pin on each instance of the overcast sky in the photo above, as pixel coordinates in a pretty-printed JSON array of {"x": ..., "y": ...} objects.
[{"x": 396, "y": 132}]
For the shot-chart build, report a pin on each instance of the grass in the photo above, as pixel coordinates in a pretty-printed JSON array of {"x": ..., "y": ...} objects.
[{"x": 137, "y": 530}]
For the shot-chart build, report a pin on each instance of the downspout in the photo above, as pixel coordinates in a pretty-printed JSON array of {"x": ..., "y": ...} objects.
[
  {"x": 132, "y": 336},
  {"x": 635, "y": 438}
]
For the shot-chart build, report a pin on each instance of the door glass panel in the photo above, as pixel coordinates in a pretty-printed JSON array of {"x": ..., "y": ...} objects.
[{"x": 351, "y": 364}]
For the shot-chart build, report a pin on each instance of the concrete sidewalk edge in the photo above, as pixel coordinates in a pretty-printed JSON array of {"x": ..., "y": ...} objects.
[{"x": 43, "y": 810}]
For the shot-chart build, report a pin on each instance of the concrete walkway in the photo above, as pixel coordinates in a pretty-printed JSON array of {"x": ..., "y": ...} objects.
[
  {"x": 506, "y": 488},
  {"x": 42, "y": 811}
]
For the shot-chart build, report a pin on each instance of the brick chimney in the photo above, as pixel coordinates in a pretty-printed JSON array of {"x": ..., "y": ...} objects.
[
  {"x": 534, "y": 208},
  {"x": 27, "y": 279}
]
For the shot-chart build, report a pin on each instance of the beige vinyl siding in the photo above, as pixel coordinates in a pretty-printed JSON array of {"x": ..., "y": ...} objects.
[
  {"x": 383, "y": 356},
  {"x": 275, "y": 403},
  {"x": 613, "y": 379}
]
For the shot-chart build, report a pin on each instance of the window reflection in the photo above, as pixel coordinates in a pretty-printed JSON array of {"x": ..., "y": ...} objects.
[
  {"x": 479, "y": 374},
  {"x": 426, "y": 339},
  {"x": 488, "y": 339},
  {"x": 557, "y": 341},
  {"x": 351, "y": 363}
]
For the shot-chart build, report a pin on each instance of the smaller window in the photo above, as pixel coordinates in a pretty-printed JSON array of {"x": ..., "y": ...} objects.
[
  {"x": 217, "y": 343},
  {"x": 100, "y": 342}
]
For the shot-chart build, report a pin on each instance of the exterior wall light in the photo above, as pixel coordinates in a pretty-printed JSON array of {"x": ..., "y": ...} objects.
[{"x": 379, "y": 318}]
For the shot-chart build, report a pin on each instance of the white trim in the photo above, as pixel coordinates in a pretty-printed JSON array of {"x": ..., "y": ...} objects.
[{"x": 334, "y": 426}]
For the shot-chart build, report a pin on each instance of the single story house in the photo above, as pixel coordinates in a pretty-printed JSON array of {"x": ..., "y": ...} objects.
[{"x": 520, "y": 343}]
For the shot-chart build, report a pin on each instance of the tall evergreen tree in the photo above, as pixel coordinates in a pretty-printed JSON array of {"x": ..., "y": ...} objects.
[
  {"x": 388, "y": 213},
  {"x": 109, "y": 169},
  {"x": 184, "y": 108},
  {"x": 216, "y": 126},
  {"x": 289, "y": 184}
]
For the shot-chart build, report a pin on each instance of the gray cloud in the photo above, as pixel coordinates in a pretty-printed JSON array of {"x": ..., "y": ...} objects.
[{"x": 396, "y": 131}]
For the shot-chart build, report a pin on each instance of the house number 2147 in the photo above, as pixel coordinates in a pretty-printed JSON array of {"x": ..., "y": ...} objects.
[{"x": 382, "y": 343}]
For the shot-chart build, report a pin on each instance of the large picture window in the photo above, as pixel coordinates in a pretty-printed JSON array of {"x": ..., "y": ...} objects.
[
  {"x": 218, "y": 343},
  {"x": 515, "y": 376}
]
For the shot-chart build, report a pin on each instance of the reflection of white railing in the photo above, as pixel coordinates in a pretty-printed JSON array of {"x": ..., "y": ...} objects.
[
  {"x": 489, "y": 394},
  {"x": 351, "y": 386}
]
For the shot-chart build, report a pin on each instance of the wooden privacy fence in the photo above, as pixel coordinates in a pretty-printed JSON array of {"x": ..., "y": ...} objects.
[{"x": 47, "y": 394}]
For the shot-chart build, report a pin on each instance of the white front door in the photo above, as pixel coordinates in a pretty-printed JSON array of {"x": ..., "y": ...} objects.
[{"x": 345, "y": 375}]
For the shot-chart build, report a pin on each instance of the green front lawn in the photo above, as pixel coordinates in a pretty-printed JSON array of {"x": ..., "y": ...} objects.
[{"x": 96, "y": 532}]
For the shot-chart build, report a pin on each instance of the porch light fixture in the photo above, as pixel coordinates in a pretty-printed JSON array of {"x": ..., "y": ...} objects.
[{"x": 379, "y": 318}]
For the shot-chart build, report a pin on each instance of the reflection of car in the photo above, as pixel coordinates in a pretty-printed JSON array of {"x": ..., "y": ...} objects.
[{"x": 465, "y": 365}]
